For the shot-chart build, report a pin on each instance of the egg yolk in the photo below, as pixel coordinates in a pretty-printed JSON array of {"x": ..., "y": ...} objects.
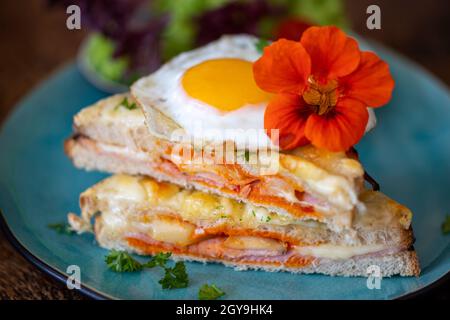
[{"x": 226, "y": 84}]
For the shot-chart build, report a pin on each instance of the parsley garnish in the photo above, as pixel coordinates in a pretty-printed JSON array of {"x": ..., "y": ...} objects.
[
  {"x": 253, "y": 213},
  {"x": 62, "y": 228},
  {"x": 446, "y": 225},
  {"x": 159, "y": 260},
  {"x": 261, "y": 44},
  {"x": 126, "y": 104},
  {"x": 268, "y": 218},
  {"x": 247, "y": 155},
  {"x": 120, "y": 261},
  {"x": 175, "y": 277},
  {"x": 210, "y": 292}
]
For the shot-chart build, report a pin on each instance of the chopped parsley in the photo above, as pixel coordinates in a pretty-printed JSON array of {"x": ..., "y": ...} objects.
[
  {"x": 446, "y": 225},
  {"x": 253, "y": 213},
  {"x": 120, "y": 261},
  {"x": 175, "y": 277},
  {"x": 210, "y": 292},
  {"x": 268, "y": 218},
  {"x": 261, "y": 44},
  {"x": 126, "y": 104},
  {"x": 158, "y": 260},
  {"x": 247, "y": 155},
  {"x": 62, "y": 228}
]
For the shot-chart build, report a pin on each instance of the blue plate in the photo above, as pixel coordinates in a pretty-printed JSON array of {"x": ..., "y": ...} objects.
[{"x": 408, "y": 153}]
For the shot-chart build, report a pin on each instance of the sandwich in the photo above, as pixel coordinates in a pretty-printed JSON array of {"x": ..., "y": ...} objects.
[
  {"x": 142, "y": 215},
  {"x": 198, "y": 170},
  {"x": 310, "y": 183}
]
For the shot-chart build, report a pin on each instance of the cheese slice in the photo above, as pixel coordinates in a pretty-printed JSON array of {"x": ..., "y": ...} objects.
[
  {"x": 331, "y": 251},
  {"x": 338, "y": 190},
  {"x": 254, "y": 243},
  {"x": 120, "y": 187},
  {"x": 171, "y": 230}
]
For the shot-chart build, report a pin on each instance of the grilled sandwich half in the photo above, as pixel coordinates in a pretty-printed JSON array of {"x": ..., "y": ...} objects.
[
  {"x": 310, "y": 184},
  {"x": 139, "y": 214}
]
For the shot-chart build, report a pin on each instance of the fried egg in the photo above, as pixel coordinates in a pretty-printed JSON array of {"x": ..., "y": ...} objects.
[{"x": 211, "y": 94}]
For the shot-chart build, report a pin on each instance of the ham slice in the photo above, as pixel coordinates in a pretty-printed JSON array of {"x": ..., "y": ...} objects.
[{"x": 214, "y": 249}]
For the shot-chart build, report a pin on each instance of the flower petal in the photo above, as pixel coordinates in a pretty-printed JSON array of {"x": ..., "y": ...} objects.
[
  {"x": 371, "y": 83},
  {"x": 283, "y": 68},
  {"x": 287, "y": 113},
  {"x": 332, "y": 53},
  {"x": 341, "y": 128}
]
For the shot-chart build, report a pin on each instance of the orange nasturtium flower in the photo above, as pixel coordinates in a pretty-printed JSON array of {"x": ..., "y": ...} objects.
[{"x": 323, "y": 85}]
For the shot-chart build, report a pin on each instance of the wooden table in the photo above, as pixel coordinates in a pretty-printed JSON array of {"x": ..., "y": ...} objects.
[{"x": 34, "y": 42}]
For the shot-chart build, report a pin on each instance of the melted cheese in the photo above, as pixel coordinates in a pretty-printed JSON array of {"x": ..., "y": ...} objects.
[
  {"x": 337, "y": 163},
  {"x": 138, "y": 194},
  {"x": 331, "y": 251},
  {"x": 172, "y": 231},
  {"x": 335, "y": 189},
  {"x": 114, "y": 111},
  {"x": 110, "y": 112},
  {"x": 121, "y": 187},
  {"x": 191, "y": 205},
  {"x": 254, "y": 243}
]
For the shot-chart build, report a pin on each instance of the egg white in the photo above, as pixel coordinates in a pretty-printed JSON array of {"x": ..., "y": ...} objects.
[{"x": 163, "y": 90}]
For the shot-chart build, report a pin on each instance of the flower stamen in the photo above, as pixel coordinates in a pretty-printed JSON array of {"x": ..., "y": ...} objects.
[{"x": 321, "y": 97}]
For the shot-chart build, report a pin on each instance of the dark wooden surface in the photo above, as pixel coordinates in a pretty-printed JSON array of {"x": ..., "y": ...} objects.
[{"x": 34, "y": 42}]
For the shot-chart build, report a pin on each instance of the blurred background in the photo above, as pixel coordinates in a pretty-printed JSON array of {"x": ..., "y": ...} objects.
[{"x": 121, "y": 40}]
